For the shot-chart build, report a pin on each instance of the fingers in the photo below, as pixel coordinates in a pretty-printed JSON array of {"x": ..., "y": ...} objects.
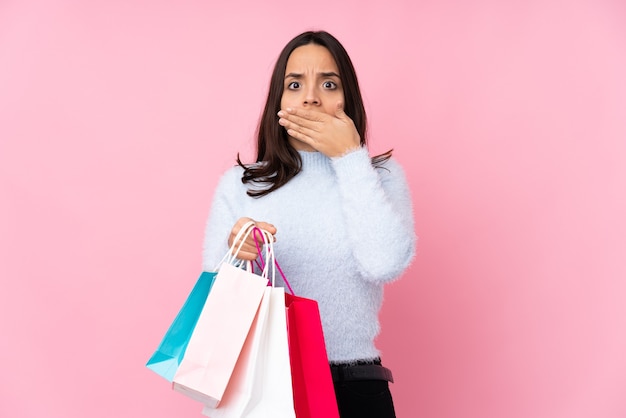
[
  {"x": 304, "y": 125},
  {"x": 267, "y": 227},
  {"x": 300, "y": 128},
  {"x": 300, "y": 115},
  {"x": 248, "y": 250},
  {"x": 331, "y": 134},
  {"x": 302, "y": 120},
  {"x": 248, "y": 256},
  {"x": 299, "y": 134},
  {"x": 236, "y": 228}
]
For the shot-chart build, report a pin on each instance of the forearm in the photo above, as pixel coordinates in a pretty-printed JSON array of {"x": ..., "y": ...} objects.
[{"x": 378, "y": 216}]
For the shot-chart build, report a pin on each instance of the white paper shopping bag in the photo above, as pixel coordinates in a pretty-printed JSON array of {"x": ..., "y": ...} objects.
[
  {"x": 219, "y": 335},
  {"x": 239, "y": 389},
  {"x": 272, "y": 394},
  {"x": 261, "y": 383}
]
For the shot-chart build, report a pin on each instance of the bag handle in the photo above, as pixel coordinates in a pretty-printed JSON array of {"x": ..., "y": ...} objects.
[
  {"x": 231, "y": 255},
  {"x": 268, "y": 242},
  {"x": 268, "y": 246}
]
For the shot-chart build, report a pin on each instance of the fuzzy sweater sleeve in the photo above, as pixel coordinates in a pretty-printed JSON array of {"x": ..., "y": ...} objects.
[{"x": 382, "y": 236}]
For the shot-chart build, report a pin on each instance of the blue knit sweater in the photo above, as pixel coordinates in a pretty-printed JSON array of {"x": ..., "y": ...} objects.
[{"x": 344, "y": 229}]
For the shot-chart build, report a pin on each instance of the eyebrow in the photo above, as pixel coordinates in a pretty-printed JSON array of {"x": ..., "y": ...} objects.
[{"x": 322, "y": 74}]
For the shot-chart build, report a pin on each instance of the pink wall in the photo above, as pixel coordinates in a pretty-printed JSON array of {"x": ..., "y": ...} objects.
[{"x": 116, "y": 118}]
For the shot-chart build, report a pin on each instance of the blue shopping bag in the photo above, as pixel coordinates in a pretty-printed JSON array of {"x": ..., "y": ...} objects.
[{"x": 169, "y": 354}]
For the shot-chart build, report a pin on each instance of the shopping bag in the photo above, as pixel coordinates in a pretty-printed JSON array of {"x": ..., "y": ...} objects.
[
  {"x": 313, "y": 389},
  {"x": 220, "y": 333},
  {"x": 272, "y": 396},
  {"x": 239, "y": 389},
  {"x": 169, "y": 353},
  {"x": 261, "y": 383}
]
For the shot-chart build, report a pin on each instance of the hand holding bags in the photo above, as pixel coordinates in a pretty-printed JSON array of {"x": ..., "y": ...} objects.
[{"x": 221, "y": 331}]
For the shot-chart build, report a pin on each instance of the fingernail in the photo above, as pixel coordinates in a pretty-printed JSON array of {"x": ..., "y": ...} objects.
[{"x": 281, "y": 113}]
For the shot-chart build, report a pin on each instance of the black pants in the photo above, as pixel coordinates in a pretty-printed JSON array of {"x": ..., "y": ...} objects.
[{"x": 364, "y": 399}]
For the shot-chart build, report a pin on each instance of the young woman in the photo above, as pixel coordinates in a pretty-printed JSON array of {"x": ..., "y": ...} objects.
[{"x": 342, "y": 220}]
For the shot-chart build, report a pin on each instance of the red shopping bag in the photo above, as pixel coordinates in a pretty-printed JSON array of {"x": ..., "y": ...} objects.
[{"x": 313, "y": 390}]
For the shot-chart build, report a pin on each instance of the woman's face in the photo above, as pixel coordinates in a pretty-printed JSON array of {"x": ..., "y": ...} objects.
[{"x": 312, "y": 81}]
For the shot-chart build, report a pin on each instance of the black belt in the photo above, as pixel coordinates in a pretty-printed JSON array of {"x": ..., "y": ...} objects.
[{"x": 344, "y": 373}]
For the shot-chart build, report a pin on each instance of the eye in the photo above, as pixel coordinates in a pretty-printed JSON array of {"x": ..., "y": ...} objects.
[
  {"x": 329, "y": 85},
  {"x": 294, "y": 85}
]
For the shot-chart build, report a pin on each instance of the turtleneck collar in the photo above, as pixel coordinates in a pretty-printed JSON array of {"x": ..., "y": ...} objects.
[{"x": 314, "y": 161}]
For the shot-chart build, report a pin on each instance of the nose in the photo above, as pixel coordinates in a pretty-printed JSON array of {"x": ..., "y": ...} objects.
[{"x": 311, "y": 97}]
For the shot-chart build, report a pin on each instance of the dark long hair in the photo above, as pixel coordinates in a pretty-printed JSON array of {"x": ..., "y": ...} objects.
[{"x": 277, "y": 160}]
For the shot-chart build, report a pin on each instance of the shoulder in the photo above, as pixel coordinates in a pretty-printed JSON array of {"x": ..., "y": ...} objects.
[
  {"x": 230, "y": 179},
  {"x": 362, "y": 157},
  {"x": 389, "y": 168}
]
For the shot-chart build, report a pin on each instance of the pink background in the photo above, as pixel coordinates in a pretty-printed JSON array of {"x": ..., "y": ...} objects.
[{"x": 117, "y": 117}]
